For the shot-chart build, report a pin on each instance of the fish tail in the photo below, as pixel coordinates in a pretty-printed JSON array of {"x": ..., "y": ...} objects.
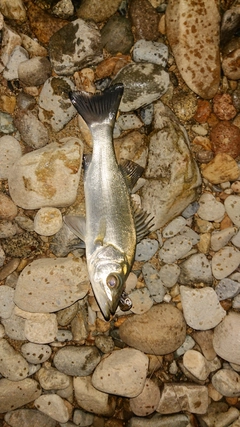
[{"x": 98, "y": 108}]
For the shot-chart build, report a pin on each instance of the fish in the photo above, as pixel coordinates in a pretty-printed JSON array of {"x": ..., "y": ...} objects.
[{"x": 113, "y": 223}]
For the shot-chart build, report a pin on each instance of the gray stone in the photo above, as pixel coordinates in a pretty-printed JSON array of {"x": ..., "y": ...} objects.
[
  {"x": 195, "y": 269},
  {"x": 183, "y": 397},
  {"x": 18, "y": 55},
  {"x": 226, "y": 338},
  {"x": 169, "y": 274},
  {"x": 51, "y": 379},
  {"x": 147, "y": 401},
  {"x": 28, "y": 418},
  {"x": 210, "y": 209},
  {"x": 219, "y": 239},
  {"x": 10, "y": 152},
  {"x": 141, "y": 300},
  {"x": 21, "y": 392},
  {"x": 36, "y": 353},
  {"x": 15, "y": 327},
  {"x": 77, "y": 361},
  {"x": 150, "y": 51},
  {"x": 146, "y": 249},
  {"x": 153, "y": 282},
  {"x": 232, "y": 206},
  {"x": 225, "y": 261},
  {"x": 35, "y": 71},
  {"x": 6, "y": 301},
  {"x": 227, "y": 382},
  {"x": 175, "y": 248},
  {"x": 116, "y": 35},
  {"x": 227, "y": 288},
  {"x": 174, "y": 227},
  {"x": 104, "y": 343},
  {"x": 53, "y": 406},
  {"x": 13, "y": 365},
  {"x": 32, "y": 131},
  {"x": 179, "y": 420}
]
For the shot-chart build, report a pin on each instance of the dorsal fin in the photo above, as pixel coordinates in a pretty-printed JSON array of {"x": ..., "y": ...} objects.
[
  {"x": 131, "y": 172},
  {"x": 143, "y": 222}
]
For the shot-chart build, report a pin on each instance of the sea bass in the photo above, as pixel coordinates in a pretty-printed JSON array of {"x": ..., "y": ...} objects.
[{"x": 113, "y": 224}]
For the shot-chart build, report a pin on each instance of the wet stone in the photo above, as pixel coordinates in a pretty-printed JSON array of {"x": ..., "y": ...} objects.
[
  {"x": 150, "y": 51},
  {"x": 116, "y": 35},
  {"x": 77, "y": 361}
]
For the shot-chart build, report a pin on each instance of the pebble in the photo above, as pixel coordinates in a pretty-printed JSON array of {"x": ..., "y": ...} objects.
[
  {"x": 210, "y": 209},
  {"x": 129, "y": 121},
  {"x": 150, "y": 51},
  {"x": 185, "y": 106},
  {"x": 13, "y": 365},
  {"x": 104, "y": 343},
  {"x": 183, "y": 397},
  {"x": 147, "y": 401},
  {"x": 47, "y": 221},
  {"x": 196, "y": 364},
  {"x": 174, "y": 249},
  {"x": 36, "y": 353},
  {"x": 14, "y": 327},
  {"x": 227, "y": 288},
  {"x": 28, "y": 418},
  {"x": 226, "y": 337},
  {"x": 195, "y": 269},
  {"x": 55, "y": 107},
  {"x": 77, "y": 361},
  {"x": 232, "y": 206},
  {"x": 91, "y": 399},
  {"x": 63, "y": 9},
  {"x": 226, "y": 382},
  {"x": 190, "y": 234},
  {"x": 153, "y": 282},
  {"x": 219, "y": 239},
  {"x": 225, "y": 138},
  {"x": 144, "y": 19},
  {"x": 82, "y": 418},
  {"x": 174, "y": 227},
  {"x": 146, "y": 249},
  {"x": 116, "y": 35},
  {"x": 18, "y": 55},
  {"x": 188, "y": 344},
  {"x": 169, "y": 274},
  {"x": 2, "y": 256},
  {"x": 114, "y": 374},
  {"x": 40, "y": 328},
  {"x": 32, "y": 131},
  {"x": 225, "y": 262},
  {"x": 33, "y": 47},
  {"x": 8, "y": 209},
  {"x": 150, "y": 332},
  {"x": 51, "y": 379},
  {"x": 190, "y": 210},
  {"x": 195, "y": 41},
  {"x": 201, "y": 307},
  {"x": 10, "y": 152},
  {"x": 178, "y": 420},
  {"x": 229, "y": 65},
  {"x": 75, "y": 46},
  {"x": 89, "y": 9},
  {"x": 6, "y": 301},
  {"x": 50, "y": 284},
  {"x": 223, "y": 106},
  {"x": 21, "y": 392},
  {"x": 31, "y": 186},
  {"x": 6, "y": 123},
  {"x": 34, "y": 71},
  {"x": 236, "y": 302},
  {"x": 221, "y": 417},
  {"x": 53, "y": 406},
  {"x": 143, "y": 83},
  {"x": 66, "y": 315},
  {"x": 221, "y": 169}
]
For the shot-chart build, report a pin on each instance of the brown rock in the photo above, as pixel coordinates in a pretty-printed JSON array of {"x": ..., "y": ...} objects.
[
  {"x": 223, "y": 106},
  {"x": 203, "y": 111},
  {"x": 144, "y": 19},
  {"x": 96, "y": 10},
  {"x": 225, "y": 138},
  {"x": 8, "y": 209},
  {"x": 221, "y": 169},
  {"x": 111, "y": 66},
  {"x": 230, "y": 65}
]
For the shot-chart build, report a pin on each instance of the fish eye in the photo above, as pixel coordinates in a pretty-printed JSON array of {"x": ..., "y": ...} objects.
[{"x": 112, "y": 281}]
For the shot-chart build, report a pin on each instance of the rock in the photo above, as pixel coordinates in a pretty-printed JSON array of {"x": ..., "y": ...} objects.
[
  {"x": 10, "y": 152},
  {"x": 14, "y": 327},
  {"x": 203, "y": 111},
  {"x": 13, "y": 365},
  {"x": 36, "y": 353},
  {"x": 150, "y": 51},
  {"x": 144, "y": 19},
  {"x": 91, "y": 399},
  {"x": 33, "y": 47},
  {"x": 146, "y": 249},
  {"x": 185, "y": 106},
  {"x": 66, "y": 315},
  {"x": 116, "y": 35},
  {"x": 28, "y": 418},
  {"x": 40, "y": 290},
  {"x": 196, "y": 364},
  {"x": 97, "y": 12},
  {"x": 150, "y": 332},
  {"x": 195, "y": 269},
  {"x": 193, "y": 34},
  {"x": 201, "y": 307},
  {"x": 227, "y": 288},
  {"x": 226, "y": 338},
  {"x": 15, "y": 10},
  {"x": 230, "y": 65},
  {"x": 178, "y": 420},
  {"x": 48, "y": 221},
  {"x": 173, "y": 179},
  {"x": 141, "y": 300},
  {"x": 114, "y": 373},
  {"x": 210, "y": 209},
  {"x": 205, "y": 340},
  {"x": 82, "y": 417},
  {"x": 35, "y": 71},
  {"x": 175, "y": 248},
  {"x": 169, "y": 274},
  {"x": 40, "y": 328},
  {"x": 18, "y": 55},
  {"x": 143, "y": 84},
  {"x": 75, "y": 46},
  {"x": 232, "y": 206},
  {"x": 33, "y": 186},
  {"x": 53, "y": 406},
  {"x": 225, "y": 261},
  {"x": 32, "y": 131},
  {"x": 56, "y": 108},
  {"x": 51, "y": 379},
  {"x": 174, "y": 227},
  {"x": 132, "y": 146},
  {"x": 153, "y": 282},
  {"x": 21, "y": 392},
  {"x": 147, "y": 401},
  {"x": 104, "y": 343},
  {"x": 223, "y": 106},
  {"x": 8, "y": 209},
  {"x": 6, "y": 301},
  {"x": 188, "y": 344},
  {"x": 225, "y": 138},
  {"x": 221, "y": 169},
  {"x": 226, "y": 382},
  {"x": 219, "y": 415},
  {"x": 77, "y": 361},
  {"x": 6, "y": 123},
  {"x": 219, "y": 239},
  {"x": 183, "y": 397}
]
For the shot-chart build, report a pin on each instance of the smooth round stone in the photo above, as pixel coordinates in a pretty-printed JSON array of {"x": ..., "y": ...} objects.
[
  {"x": 225, "y": 261},
  {"x": 236, "y": 240},
  {"x": 34, "y": 71},
  {"x": 146, "y": 249},
  {"x": 15, "y": 327},
  {"x": 129, "y": 121},
  {"x": 98, "y": 12},
  {"x": 190, "y": 234},
  {"x": 18, "y": 55},
  {"x": 21, "y": 392},
  {"x": 227, "y": 288},
  {"x": 116, "y": 35},
  {"x": 8, "y": 209},
  {"x": 47, "y": 221},
  {"x": 53, "y": 406},
  {"x": 2, "y": 256},
  {"x": 175, "y": 248},
  {"x": 64, "y": 335},
  {"x": 232, "y": 206},
  {"x": 36, "y": 353},
  {"x": 51, "y": 379},
  {"x": 147, "y": 401},
  {"x": 210, "y": 209},
  {"x": 236, "y": 302},
  {"x": 190, "y": 210},
  {"x": 6, "y": 301},
  {"x": 141, "y": 300},
  {"x": 32, "y": 131},
  {"x": 227, "y": 382},
  {"x": 10, "y": 151},
  {"x": 66, "y": 315},
  {"x": 196, "y": 364},
  {"x": 195, "y": 269},
  {"x": 41, "y": 328},
  {"x": 174, "y": 227},
  {"x": 13, "y": 365},
  {"x": 226, "y": 338},
  {"x": 28, "y": 418},
  {"x": 150, "y": 51},
  {"x": 77, "y": 361},
  {"x": 104, "y": 343},
  {"x": 159, "y": 331},
  {"x": 82, "y": 418},
  {"x": 115, "y": 375},
  {"x": 201, "y": 307},
  {"x": 153, "y": 282},
  {"x": 219, "y": 239},
  {"x": 169, "y": 274}
]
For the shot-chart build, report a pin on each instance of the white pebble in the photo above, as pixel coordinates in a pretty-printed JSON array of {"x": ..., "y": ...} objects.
[
  {"x": 174, "y": 227},
  {"x": 225, "y": 261},
  {"x": 232, "y": 206},
  {"x": 210, "y": 209},
  {"x": 53, "y": 406},
  {"x": 47, "y": 221}
]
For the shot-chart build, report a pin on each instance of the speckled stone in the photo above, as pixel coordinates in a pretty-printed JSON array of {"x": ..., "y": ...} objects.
[
  {"x": 47, "y": 221},
  {"x": 98, "y": 12},
  {"x": 32, "y": 131},
  {"x": 91, "y": 399},
  {"x": 53, "y": 406},
  {"x": 147, "y": 401},
  {"x": 150, "y": 51},
  {"x": 225, "y": 261},
  {"x": 36, "y": 353},
  {"x": 144, "y": 19},
  {"x": 227, "y": 288},
  {"x": 226, "y": 338},
  {"x": 220, "y": 169},
  {"x": 175, "y": 248},
  {"x": 21, "y": 392},
  {"x": 209, "y": 208},
  {"x": 28, "y": 417},
  {"x": 225, "y": 138},
  {"x": 232, "y": 206},
  {"x": 77, "y": 361},
  {"x": 13, "y": 365},
  {"x": 34, "y": 71},
  {"x": 177, "y": 397},
  {"x": 10, "y": 152}
]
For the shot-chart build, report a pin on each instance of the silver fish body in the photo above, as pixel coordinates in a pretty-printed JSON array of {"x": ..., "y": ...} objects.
[{"x": 109, "y": 229}]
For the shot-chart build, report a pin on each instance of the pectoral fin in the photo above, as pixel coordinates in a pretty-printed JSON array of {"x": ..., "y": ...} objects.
[{"x": 77, "y": 225}]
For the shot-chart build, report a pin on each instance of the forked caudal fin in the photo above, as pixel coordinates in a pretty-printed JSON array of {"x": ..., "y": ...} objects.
[{"x": 98, "y": 108}]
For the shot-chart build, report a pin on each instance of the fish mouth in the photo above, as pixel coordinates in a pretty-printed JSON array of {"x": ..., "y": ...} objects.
[{"x": 108, "y": 307}]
